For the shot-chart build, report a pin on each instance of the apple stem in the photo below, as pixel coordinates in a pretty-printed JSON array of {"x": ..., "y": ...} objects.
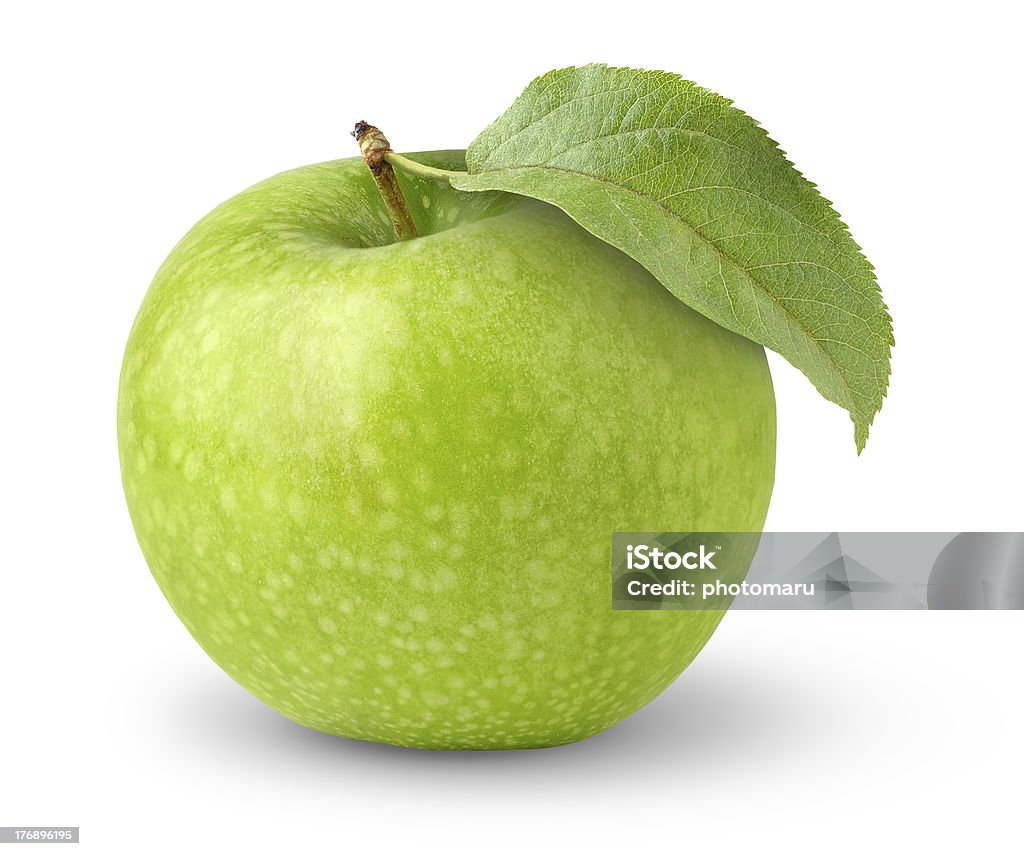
[{"x": 374, "y": 146}]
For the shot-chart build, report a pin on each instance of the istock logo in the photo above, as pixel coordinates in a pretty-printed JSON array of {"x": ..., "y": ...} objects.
[{"x": 641, "y": 557}]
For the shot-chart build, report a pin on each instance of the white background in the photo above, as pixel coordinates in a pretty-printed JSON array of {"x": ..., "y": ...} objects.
[{"x": 123, "y": 123}]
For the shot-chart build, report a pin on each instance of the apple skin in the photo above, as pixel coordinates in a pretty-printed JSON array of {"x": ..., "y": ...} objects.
[{"x": 377, "y": 481}]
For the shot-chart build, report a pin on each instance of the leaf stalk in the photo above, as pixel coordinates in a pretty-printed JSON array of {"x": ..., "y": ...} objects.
[{"x": 421, "y": 170}]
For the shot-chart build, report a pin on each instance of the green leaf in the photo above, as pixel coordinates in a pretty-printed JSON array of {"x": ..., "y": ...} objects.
[{"x": 694, "y": 190}]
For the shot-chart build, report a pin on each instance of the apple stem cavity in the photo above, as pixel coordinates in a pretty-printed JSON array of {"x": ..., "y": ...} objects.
[{"x": 374, "y": 146}]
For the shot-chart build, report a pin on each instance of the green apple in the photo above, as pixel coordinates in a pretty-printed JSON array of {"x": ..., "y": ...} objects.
[{"x": 378, "y": 480}]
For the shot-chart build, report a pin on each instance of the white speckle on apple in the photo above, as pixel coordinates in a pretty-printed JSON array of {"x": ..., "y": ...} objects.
[
  {"x": 228, "y": 499},
  {"x": 210, "y": 341},
  {"x": 191, "y": 466},
  {"x": 297, "y": 507},
  {"x": 388, "y": 493}
]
